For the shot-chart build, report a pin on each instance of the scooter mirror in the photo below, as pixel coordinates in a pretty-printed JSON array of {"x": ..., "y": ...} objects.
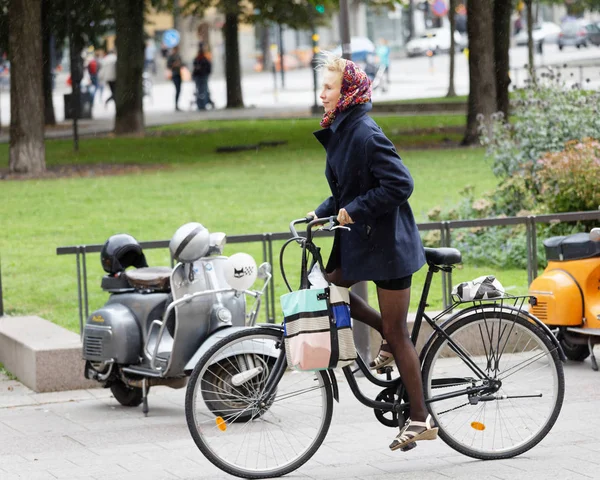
[
  {"x": 264, "y": 270},
  {"x": 595, "y": 235}
]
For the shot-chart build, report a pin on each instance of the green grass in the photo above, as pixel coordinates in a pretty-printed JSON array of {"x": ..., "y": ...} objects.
[
  {"x": 5, "y": 372},
  {"x": 456, "y": 99},
  {"x": 248, "y": 192}
]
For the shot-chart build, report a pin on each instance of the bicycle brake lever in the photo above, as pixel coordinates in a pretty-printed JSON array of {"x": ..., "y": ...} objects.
[{"x": 340, "y": 226}]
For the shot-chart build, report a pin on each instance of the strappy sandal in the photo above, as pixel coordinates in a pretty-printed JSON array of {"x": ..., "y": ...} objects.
[
  {"x": 415, "y": 432},
  {"x": 383, "y": 358}
]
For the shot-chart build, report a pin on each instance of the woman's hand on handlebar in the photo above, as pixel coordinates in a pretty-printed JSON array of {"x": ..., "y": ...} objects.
[
  {"x": 343, "y": 218},
  {"x": 310, "y": 216}
]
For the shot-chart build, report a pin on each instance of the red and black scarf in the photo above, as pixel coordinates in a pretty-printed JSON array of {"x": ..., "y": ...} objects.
[{"x": 356, "y": 89}]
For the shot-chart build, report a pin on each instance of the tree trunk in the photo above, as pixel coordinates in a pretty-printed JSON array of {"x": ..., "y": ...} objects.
[
  {"x": 233, "y": 72},
  {"x": 530, "y": 46},
  {"x": 49, "y": 118},
  {"x": 129, "y": 22},
  {"x": 502, "y": 10},
  {"x": 452, "y": 18},
  {"x": 482, "y": 79},
  {"x": 27, "y": 153}
]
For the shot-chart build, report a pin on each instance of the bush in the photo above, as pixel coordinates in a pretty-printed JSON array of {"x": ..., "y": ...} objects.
[
  {"x": 546, "y": 116},
  {"x": 569, "y": 180}
]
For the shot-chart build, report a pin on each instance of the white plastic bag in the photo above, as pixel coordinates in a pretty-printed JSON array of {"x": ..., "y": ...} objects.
[{"x": 316, "y": 277}]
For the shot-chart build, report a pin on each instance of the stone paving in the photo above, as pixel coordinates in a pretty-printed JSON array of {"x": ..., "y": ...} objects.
[{"x": 87, "y": 435}]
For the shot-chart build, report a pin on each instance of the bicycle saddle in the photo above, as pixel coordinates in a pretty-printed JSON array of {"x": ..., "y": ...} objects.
[{"x": 442, "y": 256}]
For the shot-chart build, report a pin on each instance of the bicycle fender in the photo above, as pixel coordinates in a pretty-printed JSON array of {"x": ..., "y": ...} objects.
[
  {"x": 257, "y": 347},
  {"x": 480, "y": 308},
  {"x": 334, "y": 385}
]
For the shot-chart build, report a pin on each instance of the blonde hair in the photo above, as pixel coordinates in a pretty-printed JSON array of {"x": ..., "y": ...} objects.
[{"x": 331, "y": 62}]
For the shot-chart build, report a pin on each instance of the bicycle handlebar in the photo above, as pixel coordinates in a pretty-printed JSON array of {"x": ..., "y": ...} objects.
[{"x": 312, "y": 221}]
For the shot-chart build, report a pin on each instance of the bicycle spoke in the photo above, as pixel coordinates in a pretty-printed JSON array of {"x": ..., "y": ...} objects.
[
  {"x": 521, "y": 397},
  {"x": 261, "y": 437}
]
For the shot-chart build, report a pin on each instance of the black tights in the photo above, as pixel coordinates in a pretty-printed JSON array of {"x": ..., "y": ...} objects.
[{"x": 392, "y": 325}]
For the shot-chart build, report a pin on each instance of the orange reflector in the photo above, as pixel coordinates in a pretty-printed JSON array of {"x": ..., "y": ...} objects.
[
  {"x": 478, "y": 426},
  {"x": 221, "y": 425}
]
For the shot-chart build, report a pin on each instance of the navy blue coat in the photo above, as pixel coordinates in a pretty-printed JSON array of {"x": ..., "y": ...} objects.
[{"x": 368, "y": 179}]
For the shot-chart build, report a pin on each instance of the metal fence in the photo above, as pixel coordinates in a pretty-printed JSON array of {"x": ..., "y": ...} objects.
[
  {"x": 445, "y": 228},
  {"x": 586, "y": 76}
]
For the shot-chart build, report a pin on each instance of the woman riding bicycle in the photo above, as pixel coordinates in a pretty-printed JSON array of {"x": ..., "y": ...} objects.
[{"x": 370, "y": 188}]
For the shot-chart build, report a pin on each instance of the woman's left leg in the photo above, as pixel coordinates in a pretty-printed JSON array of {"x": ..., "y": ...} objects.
[{"x": 394, "y": 311}]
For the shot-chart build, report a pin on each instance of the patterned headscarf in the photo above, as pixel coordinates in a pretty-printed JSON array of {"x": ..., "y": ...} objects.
[{"x": 356, "y": 89}]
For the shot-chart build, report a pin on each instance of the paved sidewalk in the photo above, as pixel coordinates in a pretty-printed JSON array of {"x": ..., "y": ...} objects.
[{"x": 87, "y": 435}]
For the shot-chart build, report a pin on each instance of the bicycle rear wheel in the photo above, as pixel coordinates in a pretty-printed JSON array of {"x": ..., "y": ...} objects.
[
  {"x": 242, "y": 433},
  {"x": 521, "y": 396}
]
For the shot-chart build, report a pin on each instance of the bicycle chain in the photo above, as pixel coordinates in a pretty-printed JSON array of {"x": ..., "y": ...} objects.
[{"x": 455, "y": 408}]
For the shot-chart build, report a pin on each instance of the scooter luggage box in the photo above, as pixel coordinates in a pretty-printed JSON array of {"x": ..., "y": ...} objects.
[{"x": 571, "y": 247}]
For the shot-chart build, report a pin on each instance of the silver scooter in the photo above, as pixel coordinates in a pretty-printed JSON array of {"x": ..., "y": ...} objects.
[{"x": 159, "y": 321}]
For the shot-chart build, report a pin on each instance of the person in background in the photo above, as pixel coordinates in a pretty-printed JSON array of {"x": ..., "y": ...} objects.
[
  {"x": 202, "y": 69},
  {"x": 150, "y": 57},
  {"x": 93, "y": 67},
  {"x": 174, "y": 64},
  {"x": 109, "y": 65},
  {"x": 383, "y": 53}
]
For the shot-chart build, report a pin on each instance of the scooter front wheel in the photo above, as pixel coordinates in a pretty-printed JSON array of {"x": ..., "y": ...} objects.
[
  {"x": 240, "y": 431},
  {"x": 126, "y": 395}
]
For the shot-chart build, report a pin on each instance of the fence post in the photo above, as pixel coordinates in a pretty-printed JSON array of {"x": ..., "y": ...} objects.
[
  {"x": 79, "y": 298},
  {"x": 1, "y": 302},
  {"x": 534, "y": 259},
  {"x": 443, "y": 244},
  {"x": 449, "y": 273}
]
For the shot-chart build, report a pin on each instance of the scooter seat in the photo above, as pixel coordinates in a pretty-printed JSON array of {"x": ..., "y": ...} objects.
[{"x": 150, "y": 278}]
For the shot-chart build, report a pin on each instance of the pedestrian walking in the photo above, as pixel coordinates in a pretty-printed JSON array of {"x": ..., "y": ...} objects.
[
  {"x": 174, "y": 64},
  {"x": 109, "y": 65},
  {"x": 370, "y": 188},
  {"x": 93, "y": 68},
  {"x": 150, "y": 57},
  {"x": 200, "y": 74},
  {"x": 383, "y": 53}
]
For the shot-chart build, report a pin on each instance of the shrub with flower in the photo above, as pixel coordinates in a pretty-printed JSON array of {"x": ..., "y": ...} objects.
[
  {"x": 547, "y": 159},
  {"x": 569, "y": 180}
]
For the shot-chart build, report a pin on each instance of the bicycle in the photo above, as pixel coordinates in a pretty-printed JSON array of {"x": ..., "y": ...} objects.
[{"x": 492, "y": 376}]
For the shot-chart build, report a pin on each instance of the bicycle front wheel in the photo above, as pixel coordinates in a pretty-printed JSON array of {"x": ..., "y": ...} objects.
[
  {"x": 499, "y": 393},
  {"x": 240, "y": 431}
]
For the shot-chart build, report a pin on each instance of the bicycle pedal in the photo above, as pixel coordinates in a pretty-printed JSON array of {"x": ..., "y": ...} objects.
[
  {"x": 387, "y": 370},
  {"x": 410, "y": 446}
]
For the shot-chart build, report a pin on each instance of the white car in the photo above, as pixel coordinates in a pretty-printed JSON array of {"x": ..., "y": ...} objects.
[
  {"x": 435, "y": 40},
  {"x": 545, "y": 31}
]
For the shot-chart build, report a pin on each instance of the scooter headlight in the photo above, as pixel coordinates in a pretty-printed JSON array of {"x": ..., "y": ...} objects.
[{"x": 224, "y": 315}]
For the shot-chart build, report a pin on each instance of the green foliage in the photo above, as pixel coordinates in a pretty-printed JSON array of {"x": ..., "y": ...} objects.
[
  {"x": 569, "y": 181},
  {"x": 499, "y": 246},
  {"x": 547, "y": 115},
  {"x": 174, "y": 177}
]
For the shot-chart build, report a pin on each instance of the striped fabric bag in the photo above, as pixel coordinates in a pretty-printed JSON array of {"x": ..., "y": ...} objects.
[{"x": 318, "y": 328}]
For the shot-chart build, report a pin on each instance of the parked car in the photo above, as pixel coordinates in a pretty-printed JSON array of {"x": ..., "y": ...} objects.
[
  {"x": 572, "y": 34},
  {"x": 546, "y": 32},
  {"x": 435, "y": 40},
  {"x": 593, "y": 33}
]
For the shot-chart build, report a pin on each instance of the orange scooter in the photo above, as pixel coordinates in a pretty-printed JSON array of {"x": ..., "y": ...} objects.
[{"x": 566, "y": 296}]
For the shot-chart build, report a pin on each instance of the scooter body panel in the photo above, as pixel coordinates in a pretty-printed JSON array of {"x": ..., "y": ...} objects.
[
  {"x": 112, "y": 333},
  {"x": 568, "y": 293}
]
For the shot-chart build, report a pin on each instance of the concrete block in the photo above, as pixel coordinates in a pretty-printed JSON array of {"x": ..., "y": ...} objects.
[{"x": 43, "y": 356}]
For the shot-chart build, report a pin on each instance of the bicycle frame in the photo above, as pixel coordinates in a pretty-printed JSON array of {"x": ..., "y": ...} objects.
[{"x": 281, "y": 363}]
